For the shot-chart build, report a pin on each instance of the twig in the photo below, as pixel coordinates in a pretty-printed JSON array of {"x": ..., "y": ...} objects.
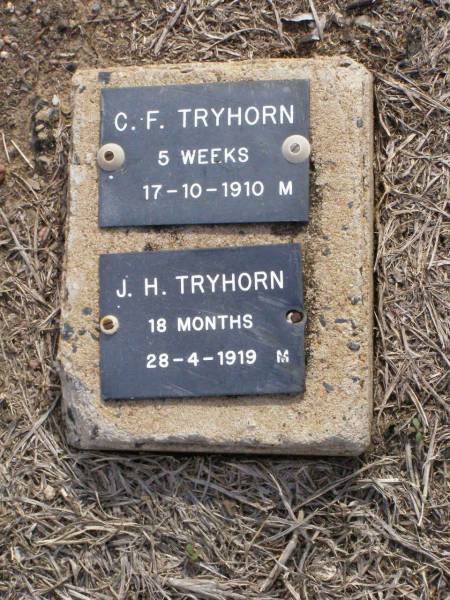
[
  {"x": 20, "y": 248},
  {"x": 284, "y": 557},
  {"x": 5, "y": 147},
  {"x": 427, "y": 470},
  {"x": 239, "y": 31},
  {"x": 359, "y": 4},
  {"x": 316, "y": 19},
  {"x": 277, "y": 18},
  {"x": 203, "y": 588},
  {"x": 22, "y": 154},
  {"x": 27, "y": 185},
  {"x": 168, "y": 27},
  {"x": 392, "y": 534}
]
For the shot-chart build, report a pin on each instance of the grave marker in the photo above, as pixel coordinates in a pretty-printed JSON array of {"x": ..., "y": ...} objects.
[
  {"x": 132, "y": 366},
  {"x": 210, "y": 153}
]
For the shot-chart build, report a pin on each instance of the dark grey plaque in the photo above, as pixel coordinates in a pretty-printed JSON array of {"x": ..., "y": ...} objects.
[
  {"x": 205, "y": 153},
  {"x": 202, "y": 323}
]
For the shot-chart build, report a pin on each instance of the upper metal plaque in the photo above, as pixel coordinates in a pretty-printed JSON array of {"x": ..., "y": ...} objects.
[
  {"x": 209, "y": 153},
  {"x": 215, "y": 322}
]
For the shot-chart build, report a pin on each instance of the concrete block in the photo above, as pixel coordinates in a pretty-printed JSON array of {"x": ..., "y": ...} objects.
[{"x": 333, "y": 415}]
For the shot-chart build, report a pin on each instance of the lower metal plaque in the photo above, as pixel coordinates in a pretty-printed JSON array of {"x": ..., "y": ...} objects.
[
  {"x": 217, "y": 322},
  {"x": 205, "y": 153}
]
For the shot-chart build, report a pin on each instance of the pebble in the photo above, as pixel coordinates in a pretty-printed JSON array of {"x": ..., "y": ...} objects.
[
  {"x": 43, "y": 136},
  {"x": 353, "y": 346},
  {"x": 4, "y": 55},
  {"x": 53, "y": 114},
  {"x": 42, "y": 116},
  {"x": 55, "y": 100},
  {"x": 2, "y": 174},
  {"x": 66, "y": 110},
  {"x": 43, "y": 162},
  {"x": 49, "y": 492},
  {"x": 96, "y": 8}
]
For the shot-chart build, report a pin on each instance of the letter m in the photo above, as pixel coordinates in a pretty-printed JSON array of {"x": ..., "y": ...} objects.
[
  {"x": 282, "y": 356},
  {"x": 285, "y": 188}
]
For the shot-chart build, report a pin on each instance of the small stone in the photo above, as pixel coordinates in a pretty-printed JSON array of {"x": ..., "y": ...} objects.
[
  {"x": 66, "y": 110},
  {"x": 43, "y": 162},
  {"x": 42, "y": 116},
  {"x": 34, "y": 364},
  {"x": 34, "y": 183},
  {"x": 2, "y": 173},
  {"x": 53, "y": 114},
  {"x": 353, "y": 346},
  {"x": 367, "y": 22},
  {"x": 329, "y": 388},
  {"x": 96, "y": 8},
  {"x": 49, "y": 492},
  {"x": 55, "y": 100},
  {"x": 4, "y": 55},
  {"x": 43, "y": 136}
]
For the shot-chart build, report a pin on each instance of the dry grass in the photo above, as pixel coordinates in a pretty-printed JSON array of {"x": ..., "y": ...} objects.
[{"x": 81, "y": 525}]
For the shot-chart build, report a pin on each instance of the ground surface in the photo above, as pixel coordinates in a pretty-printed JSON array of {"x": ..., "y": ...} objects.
[{"x": 92, "y": 525}]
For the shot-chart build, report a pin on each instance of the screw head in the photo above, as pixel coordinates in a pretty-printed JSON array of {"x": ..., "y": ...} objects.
[
  {"x": 296, "y": 148},
  {"x": 109, "y": 324},
  {"x": 110, "y": 157},
  {"x": 295, "y": 316}
]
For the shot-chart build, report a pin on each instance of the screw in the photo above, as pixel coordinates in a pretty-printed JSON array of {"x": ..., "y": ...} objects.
[
  {"x": 295, "y": 316},
  {"x": 296, "y": 148},
  {"x": 109, "y": 324},
  {"x": 110, "y": 157}
]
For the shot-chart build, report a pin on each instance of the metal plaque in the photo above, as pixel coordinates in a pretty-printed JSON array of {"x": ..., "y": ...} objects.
[
  {"x": 209, "y": 153},
  {"x": 202, "y": 323}
]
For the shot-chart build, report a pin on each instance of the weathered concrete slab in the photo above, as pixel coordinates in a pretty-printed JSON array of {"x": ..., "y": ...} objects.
[{"x": 334, "y": 414}]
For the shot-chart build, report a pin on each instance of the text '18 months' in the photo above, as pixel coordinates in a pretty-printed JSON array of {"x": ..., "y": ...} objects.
[{"x": 189, "y": 328}]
